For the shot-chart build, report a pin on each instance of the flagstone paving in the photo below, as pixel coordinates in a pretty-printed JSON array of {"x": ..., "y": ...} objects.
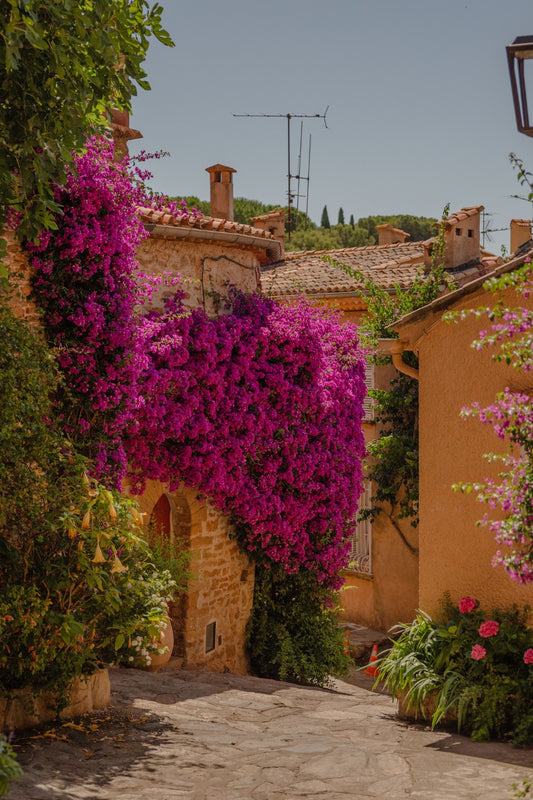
[{"x": 193, "y": 735}]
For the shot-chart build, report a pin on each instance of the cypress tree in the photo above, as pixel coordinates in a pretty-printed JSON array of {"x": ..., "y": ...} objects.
[
  {"x": 340, "y": 220},
  {"x": 352, "y": 221},
  {"x": 324, "y": 222}
]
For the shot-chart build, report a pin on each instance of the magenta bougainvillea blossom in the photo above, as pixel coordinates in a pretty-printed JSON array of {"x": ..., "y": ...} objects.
[
  {"x": 489, "y": 628},
  {"x": 478, "y": 652},
  {"x": 262, "y": 412},
  {"x": 259, "y": 409},
  {"x": 467, "y": 604},
  {"x": 528, "y": 656}
]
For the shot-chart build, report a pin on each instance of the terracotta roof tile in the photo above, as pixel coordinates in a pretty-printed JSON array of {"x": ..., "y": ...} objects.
[
  {"x": 386, "y": 265},
  {"x": 162, "y": 217}
]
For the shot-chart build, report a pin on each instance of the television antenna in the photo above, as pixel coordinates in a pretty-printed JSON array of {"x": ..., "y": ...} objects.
[{"x": 290, "y": 176}]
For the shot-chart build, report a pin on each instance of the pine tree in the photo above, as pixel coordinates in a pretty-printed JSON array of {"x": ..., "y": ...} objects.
[
  {"x": 324, "y": 222},
  {"x": 340, "y": 220}
]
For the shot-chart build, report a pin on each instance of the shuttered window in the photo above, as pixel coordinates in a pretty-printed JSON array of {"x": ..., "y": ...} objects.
[
  {"x": 369, "y": 402},
  {"x": 361, "y": 554}
]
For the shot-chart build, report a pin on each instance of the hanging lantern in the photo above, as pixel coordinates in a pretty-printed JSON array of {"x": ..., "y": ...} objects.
[{"x": 517, "y": 54}]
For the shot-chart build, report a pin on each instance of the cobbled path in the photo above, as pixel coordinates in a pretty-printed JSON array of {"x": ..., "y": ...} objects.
[{"x": 204, "y": 736}]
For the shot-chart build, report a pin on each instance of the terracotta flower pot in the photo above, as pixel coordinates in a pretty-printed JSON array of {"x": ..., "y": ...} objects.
[{"x": 166, "y": 639}]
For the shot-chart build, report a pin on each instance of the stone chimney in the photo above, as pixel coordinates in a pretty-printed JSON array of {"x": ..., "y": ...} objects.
[
  {"x": 221, "y": 183},
  {"x": 461, "y": 236},
  {"x": 389, "y": 235},
  {"x": 520, "y": 233},
  {"x": 122, "y": 133},
  {"x": 274, "y": 222}
]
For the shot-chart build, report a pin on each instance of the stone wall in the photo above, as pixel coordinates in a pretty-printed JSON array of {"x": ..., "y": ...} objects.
[
  {"x": 19, "y": 270},
  {"x": 209, "y": 622},
  {"x": 208, "y": 269}
]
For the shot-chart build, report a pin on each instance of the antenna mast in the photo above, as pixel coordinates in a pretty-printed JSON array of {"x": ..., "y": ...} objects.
[{"x": 299, "y": 177}]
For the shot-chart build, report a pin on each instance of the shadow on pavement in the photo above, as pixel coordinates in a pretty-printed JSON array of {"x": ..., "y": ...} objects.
[{"x": 113, "y": 741}]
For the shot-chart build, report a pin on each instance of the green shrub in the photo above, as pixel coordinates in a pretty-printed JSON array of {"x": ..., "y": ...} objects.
[
  {"x": 477, "y": 666},
  {"x": 293, "y": 633},
  {"x": 78, "y": 584},
  {"x": 9, "y": 769}
]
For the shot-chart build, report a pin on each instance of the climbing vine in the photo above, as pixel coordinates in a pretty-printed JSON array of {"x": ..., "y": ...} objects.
[
  {"x": 393, "y": 468},
  {"x": 259, "y": 409}
]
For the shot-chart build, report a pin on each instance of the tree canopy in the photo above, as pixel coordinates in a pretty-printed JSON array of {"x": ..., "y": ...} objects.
[{"x": 62, "y": 63}]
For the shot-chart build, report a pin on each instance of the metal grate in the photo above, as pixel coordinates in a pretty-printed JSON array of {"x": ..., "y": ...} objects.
[
  {"x": 361, "y": 554},
  {"x": 369, "y": 402}
]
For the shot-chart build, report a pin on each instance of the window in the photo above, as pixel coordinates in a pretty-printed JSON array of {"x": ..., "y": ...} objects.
[
  {"x": 369, "y": 402},
  {"x": 210, "y": 636},
  {"x": 470, "y": 233},
  {"x": 458, "y": 231},
  {"x": 361, "y": 554}
]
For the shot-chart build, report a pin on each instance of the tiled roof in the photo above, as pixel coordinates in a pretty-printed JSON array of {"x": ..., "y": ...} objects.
[
  {"x": 464, "y": 213},
  {"x": 390, "y": 265},
  {"x": 151, "y": 215},
  {"x": 307, "y": 273}
]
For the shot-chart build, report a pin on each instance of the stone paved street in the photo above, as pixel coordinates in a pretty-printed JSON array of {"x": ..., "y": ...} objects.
[{"x": 193, "y": 735}]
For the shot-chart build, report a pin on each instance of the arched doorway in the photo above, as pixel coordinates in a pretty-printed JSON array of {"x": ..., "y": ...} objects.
[{"x": 170, "y": 532}]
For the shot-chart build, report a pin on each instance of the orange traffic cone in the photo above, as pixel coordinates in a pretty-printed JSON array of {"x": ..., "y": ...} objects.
[{"x": 372, "y": 668}]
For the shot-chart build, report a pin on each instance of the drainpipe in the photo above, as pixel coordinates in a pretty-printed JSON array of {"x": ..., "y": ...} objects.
[{"x": 397, "y": 347}]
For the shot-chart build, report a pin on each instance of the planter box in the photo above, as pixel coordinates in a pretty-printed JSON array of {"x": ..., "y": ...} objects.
[
  {"x": 421, "y": 713},
  {"x": 26, "y": 709}
]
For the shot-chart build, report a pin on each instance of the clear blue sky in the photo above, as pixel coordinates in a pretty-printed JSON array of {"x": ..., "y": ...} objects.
[{"x": 420, "y": 109}]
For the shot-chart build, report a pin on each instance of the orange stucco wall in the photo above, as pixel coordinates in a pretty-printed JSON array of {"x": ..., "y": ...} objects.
[{"x": 455, "y": 554}]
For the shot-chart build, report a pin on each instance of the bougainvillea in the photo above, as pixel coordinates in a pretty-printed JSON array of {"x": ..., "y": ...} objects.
[
  {"x": 259, "y": 409},
  {"x": 87, "y": 283}
]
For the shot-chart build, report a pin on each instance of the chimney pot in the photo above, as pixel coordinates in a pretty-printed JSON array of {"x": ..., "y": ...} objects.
[{"x": 221, "y": 191}]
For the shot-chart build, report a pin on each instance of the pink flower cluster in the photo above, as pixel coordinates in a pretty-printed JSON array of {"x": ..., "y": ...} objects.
[
  {"x": 528, "y": 656},
  {"x": 478, "y": 652},
  {"x": 467, "y": 604},
  {"x": 489, "y": 628},
  {"x": 260, "y": 409}
]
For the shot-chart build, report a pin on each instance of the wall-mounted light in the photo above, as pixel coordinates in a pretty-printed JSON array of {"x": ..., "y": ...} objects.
[{"x": 517, "y": 54}]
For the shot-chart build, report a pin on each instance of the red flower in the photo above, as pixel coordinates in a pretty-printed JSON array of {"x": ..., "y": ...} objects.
[
  {"x": 489, "y": 628},
  {"x": 478, "y": 652},
  {"x": 528, "y": 656},
  {"x": 467, "y": 604}
]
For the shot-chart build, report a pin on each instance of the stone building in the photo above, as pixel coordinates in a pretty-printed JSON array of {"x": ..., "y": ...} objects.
[{"x": 212, "y": 254}]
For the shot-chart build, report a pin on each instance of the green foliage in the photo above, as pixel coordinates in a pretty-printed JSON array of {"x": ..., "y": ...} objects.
[
  {"x": 293, "y": 631},
  {"x": 525, "y": 790},
  {"x": 340, "y": 218},
  {"x": 59, "y": 70},
  {"x": 324, "y": 219},
  {"x": 352, "y": 221},
  {"x": 335, "y": 237},
  {"x": 489, "y": 692},
  {"x": 418, "y": 228},
  {"x": 9, "y": 768},
  {"x": 78, "y": 585},
  {"x": 394, "y": 466}
]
